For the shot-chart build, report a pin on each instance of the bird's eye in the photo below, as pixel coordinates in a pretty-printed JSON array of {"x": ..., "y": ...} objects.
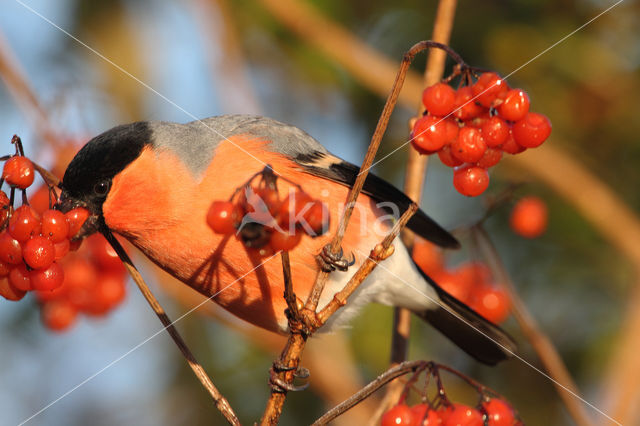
[{"x": 101, "y": 188}]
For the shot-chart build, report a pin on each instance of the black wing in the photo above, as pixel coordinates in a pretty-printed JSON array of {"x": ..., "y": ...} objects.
[{"x": 327, "y": 166}]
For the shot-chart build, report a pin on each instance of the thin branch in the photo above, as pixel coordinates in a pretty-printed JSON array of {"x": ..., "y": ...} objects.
[
  {"x": 539, "y": 341},
  {"x": 362, "y": 394},
  {"x": 221, "y": 403}
]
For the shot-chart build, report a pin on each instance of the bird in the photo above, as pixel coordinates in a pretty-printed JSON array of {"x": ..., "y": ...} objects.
[{"x": 152, "y": 182}]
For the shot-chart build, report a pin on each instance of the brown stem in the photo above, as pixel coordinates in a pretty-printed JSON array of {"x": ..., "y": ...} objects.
[
  {"x": 289, "y": 295},
  {"x": 543, "y": 346},
  {"x": 414, "y": 183},
  {"x": 321, "y": 278},
  {"x": 362, "y": 394},
  {"x": 221, "y": 403}
]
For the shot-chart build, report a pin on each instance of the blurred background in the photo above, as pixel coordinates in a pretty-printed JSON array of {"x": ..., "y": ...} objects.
[{"x": 201, "y": 58}]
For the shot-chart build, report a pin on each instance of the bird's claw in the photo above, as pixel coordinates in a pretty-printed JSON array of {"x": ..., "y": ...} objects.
[
  {"x": 329, "y": 262},
  {"x": 279, "y": 385}
]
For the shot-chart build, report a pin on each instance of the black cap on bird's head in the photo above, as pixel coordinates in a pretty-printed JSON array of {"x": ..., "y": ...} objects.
[{"x": 87, "y": 180}]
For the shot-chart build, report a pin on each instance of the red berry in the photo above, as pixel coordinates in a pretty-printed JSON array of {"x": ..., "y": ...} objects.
[
  {"x": 429, "y": 134},
  {"x": 292, "y": 209},
  {"x": 76, "y": 218},
  {"x": 9, "y": 292},
  {"x": 466, "y": 108},
  {"x": 491, "y": 303},
  {"x": 532, "y": 130},
  {"x": 439, "y": 99},
  {"x": 18, "y": 172},
  {"x": 103, "y": 255},
  {"x": 223, "y": 217},
  {"x": 79, "y": 279},
  {"x": 10, "y": 249},
  {"x": 260, "y": 203},
  {"x": 475, "y": 273},
  {"x": 511, "y": 147},
  {"x": 284, "y": 240},
  {"x": 464, "y": 416},
  {"x": 470, "y": 180},
  {"x": 529, "y": 217},
  {"x": 454, "y": 284},
  {"x": 5, "y": 268},
  {"x": 38, "y": 252},
  {"x": 469, "y": 146},
  {"x": 423, "y": 415},
  {"x": 24, "y": 223},
  {"x": 515, "y": 105},
  {"x": 55, "y": 225},
  {"x": 47, "y": 279},
  {"x": 316, "y": 219},
  {"x": 400, "y": 415},
  {"x": 490, "y": 89},
  {"x": 499, "y": 413},
  {"x": 495, "y": 131},
  {"x": 108, "y": 292},
  {"x": 4, "y": 208},
  {"x": 58, "y": 315},
  {"x": 39, "y": 200},
  {"x": 447, "y": 158},
  {"x": 491, "y": 157},
  {"x": 20, "y": 278},
  {"x": 427, "y": 256}
]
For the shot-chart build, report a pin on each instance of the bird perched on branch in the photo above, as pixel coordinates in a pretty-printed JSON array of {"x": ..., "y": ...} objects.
[{"x": 153, "y": 183}]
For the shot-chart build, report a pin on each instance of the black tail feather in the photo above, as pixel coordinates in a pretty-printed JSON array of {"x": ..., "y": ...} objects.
[{"x": 477, "y": 336}]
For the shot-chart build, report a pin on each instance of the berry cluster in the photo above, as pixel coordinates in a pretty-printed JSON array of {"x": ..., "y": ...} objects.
[
  {"x": 38, "y": 252},
  {"x": 529, "y": 217},
  {"x": 261, "y": 219},
  {"x": 491, "y": 410},
  {"x": 471, "y": 127},
  {"x": 470, "y": 282}
]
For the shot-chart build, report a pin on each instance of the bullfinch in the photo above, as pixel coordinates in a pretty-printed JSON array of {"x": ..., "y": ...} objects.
[{"x": 153, "y": 183}]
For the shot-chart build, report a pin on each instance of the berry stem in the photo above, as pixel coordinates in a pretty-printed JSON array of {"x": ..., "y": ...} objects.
[{"x": 221, "y": 403}]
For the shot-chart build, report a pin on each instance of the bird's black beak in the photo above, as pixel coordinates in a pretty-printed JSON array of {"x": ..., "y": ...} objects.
[{"x": 94, "y": 222}]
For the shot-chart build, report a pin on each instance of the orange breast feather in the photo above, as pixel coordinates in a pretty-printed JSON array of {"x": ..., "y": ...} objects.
[{"x": 160, "y": 206}]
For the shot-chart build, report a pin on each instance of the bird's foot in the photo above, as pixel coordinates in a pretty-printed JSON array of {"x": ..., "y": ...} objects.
[
  {"x": 277, "y": 384},
  {"x": 329, "y": 262}
]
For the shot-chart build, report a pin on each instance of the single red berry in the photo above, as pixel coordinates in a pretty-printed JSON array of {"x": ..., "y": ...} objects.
[
  {"x": 316, "y": 219},
  {"x": 55, "y": 225},
  {"x": 511, "y": 147},
  {"x": 492, "y": 303},
  {"x": 76, "y": 218},
  {"x": 515, "y": 105},
  {"x": 427, "y": 256},
  {"x": 270, "y": 197},
  {"x": 463, "y": 415},
  {"x": 223, "y": 217},
  {"x": 39, "y": 199},
  {"x": 447, "y": 158},
  {"x": 79, "y": 281},
  {"x": 61, "y": 249},
  {"x": 47, "y": 279},
  {"x": 24, "y": 223},
  {"x": 429, "y": 134},
  {"x": 9, "y": 292},
  {"x": 479, "y": 121},
  {"x": 439, "y": 99},
  {"x": 490, "y": 89},
  {"x": 470, "y": 180},
  {"x": 18, "y": 172},
  {"x": 400, "y": 415},
  {"x": 4, "y": 208},
  {"x": 423, "y": 415},
  {"x": 474, "y": 273},
  {"x": 108, "y": 292},
  {"x": 529, "y": 217},
  {"x": 469, "y": 146},
  {"x": 532, "y": 130},
  {"x": 10, "y": 249},
  {"x": 293, "y": 209},
  {"x": 284, "y": 240},
  {"x": 491, "y": 157},
  {"x": 38, "y": 252},
  {"x": 20, "y": 278},
  {"x": 58, "y": 315},
  {"x": 499, "y": 413},
  {"x": 495, "y": 131},
  {"x": 466, "y": 107},
  {"x": 260, "y": 204},
  {"x": 454, "y": 284},
  {"x": 103, "y": 255}
]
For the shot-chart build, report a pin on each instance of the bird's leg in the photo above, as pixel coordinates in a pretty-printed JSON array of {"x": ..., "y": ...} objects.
[
  {"x": 279, "y": 385},
  {"x": 329, "y": 262}
]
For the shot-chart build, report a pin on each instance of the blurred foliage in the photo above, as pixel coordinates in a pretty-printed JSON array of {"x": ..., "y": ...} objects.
[{"x": 574, "y": 283}]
